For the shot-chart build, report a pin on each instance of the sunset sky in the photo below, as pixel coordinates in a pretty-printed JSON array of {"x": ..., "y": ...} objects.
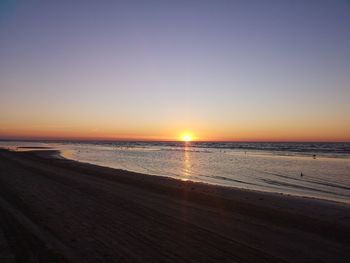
[{"x": 156, "y": 70}]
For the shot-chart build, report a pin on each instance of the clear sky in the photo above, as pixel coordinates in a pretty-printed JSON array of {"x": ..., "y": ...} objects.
[{"x": 218, "y": 70}]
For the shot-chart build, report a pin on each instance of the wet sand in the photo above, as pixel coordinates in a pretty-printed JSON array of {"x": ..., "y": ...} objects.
[{"x": 57, "y": 210}]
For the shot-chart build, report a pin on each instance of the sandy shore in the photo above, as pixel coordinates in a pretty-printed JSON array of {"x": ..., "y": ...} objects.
[{"x": 56, "y": 210}]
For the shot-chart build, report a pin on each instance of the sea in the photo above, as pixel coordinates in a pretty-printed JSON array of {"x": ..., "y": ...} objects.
[{"x": 308, "y": 169}]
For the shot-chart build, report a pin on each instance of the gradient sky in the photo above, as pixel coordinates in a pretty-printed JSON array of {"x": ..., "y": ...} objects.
[{"x": 220, "y": 70}]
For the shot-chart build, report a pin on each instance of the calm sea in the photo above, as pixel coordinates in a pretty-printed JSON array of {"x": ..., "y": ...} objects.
[{"x": 273, "y": 167}]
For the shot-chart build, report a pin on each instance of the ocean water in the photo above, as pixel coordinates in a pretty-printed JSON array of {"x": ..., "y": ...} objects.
[{"x": 272, "y": 167}]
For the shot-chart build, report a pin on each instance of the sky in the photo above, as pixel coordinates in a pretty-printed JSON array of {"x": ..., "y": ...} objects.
[{"x": 155, "y": 70}]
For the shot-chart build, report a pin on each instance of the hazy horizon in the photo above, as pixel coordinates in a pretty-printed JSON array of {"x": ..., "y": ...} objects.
[
  {"x": 155, "y": 70},
  {"x": 89, "y": 139}
]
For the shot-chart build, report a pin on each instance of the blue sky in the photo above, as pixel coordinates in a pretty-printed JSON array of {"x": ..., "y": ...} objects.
[{"x": 151, "y": 69}]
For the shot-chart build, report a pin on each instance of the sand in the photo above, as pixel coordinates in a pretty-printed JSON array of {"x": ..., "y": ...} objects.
[{"x": 57, "y": 210}]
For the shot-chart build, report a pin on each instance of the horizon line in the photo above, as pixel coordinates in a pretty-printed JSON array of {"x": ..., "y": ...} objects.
[{"x": 152, "y": 140}]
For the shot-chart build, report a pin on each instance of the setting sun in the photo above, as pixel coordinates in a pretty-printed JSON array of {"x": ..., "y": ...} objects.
[{"x": 186, "y": 138}]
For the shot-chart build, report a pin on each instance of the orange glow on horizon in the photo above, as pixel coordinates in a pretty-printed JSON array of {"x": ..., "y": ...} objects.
[
  {"x": 72, "y": 136},
  {"x": 172, "y": 133}
]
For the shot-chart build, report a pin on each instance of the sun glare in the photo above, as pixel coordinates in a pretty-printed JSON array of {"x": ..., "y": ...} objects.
[{"x": 186, "y": 138}]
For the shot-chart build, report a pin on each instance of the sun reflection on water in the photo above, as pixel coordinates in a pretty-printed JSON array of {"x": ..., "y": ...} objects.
[{"x": 186, "y": 162}]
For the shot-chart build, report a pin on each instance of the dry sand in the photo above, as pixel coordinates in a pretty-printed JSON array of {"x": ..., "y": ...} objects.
[{"x": 56, "y": 210}]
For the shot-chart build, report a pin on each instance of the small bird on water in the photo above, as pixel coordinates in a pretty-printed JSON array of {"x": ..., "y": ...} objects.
[{"x": 301, "y": 174}]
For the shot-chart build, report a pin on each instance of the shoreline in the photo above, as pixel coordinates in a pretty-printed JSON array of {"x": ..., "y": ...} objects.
[
  {"x": 48, "y": 152},
  {"x": 60, "y": 155},
  {"x": 76, "y": 207}
]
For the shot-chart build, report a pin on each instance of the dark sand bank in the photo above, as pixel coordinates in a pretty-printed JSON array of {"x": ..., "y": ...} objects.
[{"x": 56, "y": 210}]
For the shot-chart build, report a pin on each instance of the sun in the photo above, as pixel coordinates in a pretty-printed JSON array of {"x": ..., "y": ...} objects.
[{"x": 186, "y": 138}]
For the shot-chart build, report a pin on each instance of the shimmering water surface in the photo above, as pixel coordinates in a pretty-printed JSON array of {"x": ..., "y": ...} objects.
[{"x": 274, "y": 167}]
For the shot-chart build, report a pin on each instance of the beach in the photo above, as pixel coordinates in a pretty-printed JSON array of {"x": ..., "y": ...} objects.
[{"x": 59, "y": 210}]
